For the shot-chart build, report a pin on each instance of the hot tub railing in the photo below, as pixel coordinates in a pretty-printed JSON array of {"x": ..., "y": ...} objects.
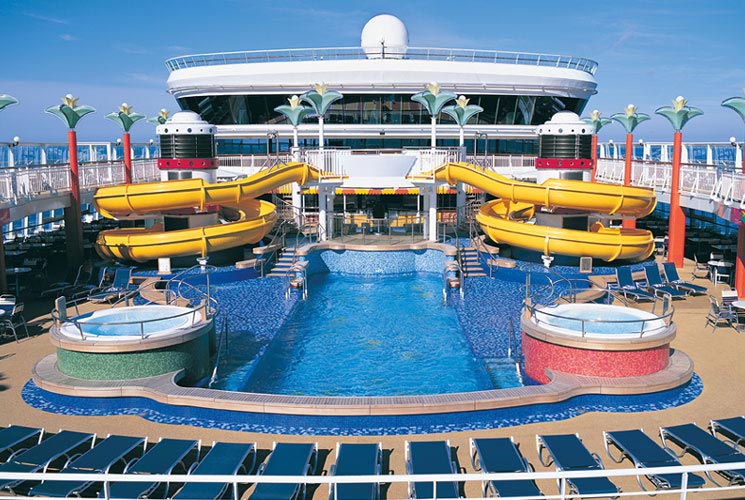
[{"x": 538, "y": 310}]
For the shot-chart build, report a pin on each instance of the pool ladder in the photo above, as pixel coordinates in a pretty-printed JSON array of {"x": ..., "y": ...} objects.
[{"x": 297, "y": 279}]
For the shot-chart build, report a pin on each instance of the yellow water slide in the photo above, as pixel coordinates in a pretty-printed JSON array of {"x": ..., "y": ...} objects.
[
  {"x": 506, "y": 218},
  {"x": 254, "y": 218}
]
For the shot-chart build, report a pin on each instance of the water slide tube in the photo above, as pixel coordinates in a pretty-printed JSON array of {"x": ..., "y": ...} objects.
[
  {"x": 505, "y": 218},
  {"x": 254, "y": 218}
]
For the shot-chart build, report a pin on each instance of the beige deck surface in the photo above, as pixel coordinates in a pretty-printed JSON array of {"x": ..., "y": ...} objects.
[{"x": 718, "y": 360}]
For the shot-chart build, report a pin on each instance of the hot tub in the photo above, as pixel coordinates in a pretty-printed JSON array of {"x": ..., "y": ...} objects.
[
  {"x": 137, "y": 322},
  {"x": 595, "y": 340}
]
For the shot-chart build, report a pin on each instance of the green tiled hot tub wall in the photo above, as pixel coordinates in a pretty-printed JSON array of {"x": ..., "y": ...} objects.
[{"x": 193, "y": 356}]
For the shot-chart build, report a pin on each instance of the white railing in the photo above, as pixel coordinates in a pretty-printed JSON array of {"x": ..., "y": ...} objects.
[
  {"x": 351, "y": 53},
  {"x": 239, "y": 482},
  {"x": 328, "y": 161}
]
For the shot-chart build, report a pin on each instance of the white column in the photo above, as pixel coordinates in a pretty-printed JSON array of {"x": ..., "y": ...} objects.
[
  {"x": 664, "y": 155},
  {"x": 460, "y": 201},
  {"x": 320, "y": 133},
  {"x": 323, "y": 212},
  {"x": 709, "y": 155},
  {"x": 43, "y": 154},
  {"x": 11, "y": 157},
  {"x": 432, "y": 202},
  {"x": 684, "y": 154},
  {"x": 738, "y": 156}
]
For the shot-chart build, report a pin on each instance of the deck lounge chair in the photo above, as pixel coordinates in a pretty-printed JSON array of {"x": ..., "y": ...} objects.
[
  {"x": 568, "y": 453},
  {"x": 431, "y": 457},
  {"x": 222, "y": 459},
  {"x": 731, "y": 428},
  {"x": 628, "y": 287},
  {"x": 644, "y": 452},
  {"x": 286, "y": 459},
  {"x": 17, "y": 436},
  {"x": 119, "y": 288},
  {"x": 502, "y": 455},
  {"x": 98, "y": 460},
  {"x": 654, "y": 280},
  {"x": 706, "y": 448},
  {"x": 38, "y": 458},
  {"x": 162, "y": 458},
  {"x": 356, "y": 459},
  {"x": 674, "y": 279}
]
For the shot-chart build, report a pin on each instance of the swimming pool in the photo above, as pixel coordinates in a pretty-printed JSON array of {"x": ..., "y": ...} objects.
[{"x": 365, "y": 336}]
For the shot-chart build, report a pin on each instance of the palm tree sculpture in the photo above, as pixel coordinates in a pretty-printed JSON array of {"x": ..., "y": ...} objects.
[
  {"x": 295, "y": 112},
  {"x": 737, "y": 104},
  {"x": 70, "y": 113},
  {"x": 598, "y": 122},
  {"x": 320, "y": 99},
  {"x": 678, "y": 115},
  {"x": 630, "y": 119},
  {"x": 461, "y": 112},
  {"x": 161, "y": 117},
  {"x": 433, "y": 99},
  {"x": 126, "y": 118},
  {"x": 7, "y": 100}
]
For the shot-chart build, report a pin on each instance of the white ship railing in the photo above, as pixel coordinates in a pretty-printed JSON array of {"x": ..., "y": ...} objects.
[
  {"x": 352, "y": 53},
  {"x": 239, "y": 482}
]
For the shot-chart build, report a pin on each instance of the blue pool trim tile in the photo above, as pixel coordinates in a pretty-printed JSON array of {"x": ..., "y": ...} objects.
[{"x": 362, "y": 425}]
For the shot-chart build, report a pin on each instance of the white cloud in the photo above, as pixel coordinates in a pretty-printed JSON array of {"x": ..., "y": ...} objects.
[
  {"x": 48, "y": 19},
  {"x": 69, "y": 38}
]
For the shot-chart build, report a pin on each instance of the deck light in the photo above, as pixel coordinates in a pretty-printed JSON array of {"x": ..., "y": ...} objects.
[{"x": 17, "y": 140}]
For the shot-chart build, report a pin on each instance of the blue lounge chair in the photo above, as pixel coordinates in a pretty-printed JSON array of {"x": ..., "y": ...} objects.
[
  {"x": 119, "y": 288},
  {"x": 163, "y": 458},
  {"x": 731, "y": 428},
  {"x": 644, "y": 452},
  {"x": 98, "y": 460},
  {"x": 356, "y": 459},
  {"x": 568, "y": 453},
  {"x": 502, "y": 455},
  {"x": 222, "y": 459},
  {"x": 706, "y": 448},
  {"x": 431, "y": 457},
  {"x": 38, "y": 458},
  {"x": 628, "y": 287},
  {"x": 674, "y": 279},
  {"x": 286, "y": 459},
  {"x": 18, "y": 436},
  {"x": 654, "y": 280}
]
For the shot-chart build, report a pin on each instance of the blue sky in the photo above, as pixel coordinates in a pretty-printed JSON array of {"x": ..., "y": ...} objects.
[{"x": 107, "y": 52}]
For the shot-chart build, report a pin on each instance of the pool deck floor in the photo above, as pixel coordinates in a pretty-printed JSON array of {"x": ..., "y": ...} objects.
[{"x": 717, "y": 360}]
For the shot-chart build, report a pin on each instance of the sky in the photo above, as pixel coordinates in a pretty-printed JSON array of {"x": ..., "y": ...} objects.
[{"x": 106, "y": 52}]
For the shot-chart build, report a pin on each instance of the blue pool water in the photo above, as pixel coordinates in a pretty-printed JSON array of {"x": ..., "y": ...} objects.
[
  {"x": 134, "y": 321},
  {"x": 365, "y": 336}
]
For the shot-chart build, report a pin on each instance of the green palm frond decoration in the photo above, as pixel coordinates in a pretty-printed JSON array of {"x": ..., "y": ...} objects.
[
  {"x": 679, "y": 114},
  {"x": 433, "y": 99},
  {"x": 125, "y": 117},
  {"x": 161, "y": 118},
  {"x": 295, "y": 112},
  {"x": 7, "y": 100},
  {"x": 736, "y": 104},
  {"x": 461, "y": 111},
  {"x": 596, "y": 120},
  {"x": 320, "y": 99},
  {"x": 630, "y": 119},
  {"x": 69, "y": 112}
]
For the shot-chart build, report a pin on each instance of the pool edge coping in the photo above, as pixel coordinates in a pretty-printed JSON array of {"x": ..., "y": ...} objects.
[{"x": 164, "y": 389}]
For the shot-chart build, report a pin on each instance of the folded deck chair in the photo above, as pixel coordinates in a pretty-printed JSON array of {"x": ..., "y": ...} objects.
[
  {"x": 286, "y": 459},
  {"x": 674, "y": 279},
  {"x": 38, "y": 458},
  {"x": 628, "y": 287},
  {"x": 356, "y": 459},
  {"x": 493, "y": 455},
  {"x": 654, "y": 280},
  {"x": 731, "y": 428},
  {"x": 568, "y": 453},
  {"x": 18, "y": 436},
  {"x": 430, "y": 457},
  {"x": 644, "y": 452},
  {"x": 222, "y": 459},
  {"x": 119, "y": 288},
  {"x": 162, "y": 458},
  {"x": 98, "y": 460},
  {"x": 706, "y": 448}
]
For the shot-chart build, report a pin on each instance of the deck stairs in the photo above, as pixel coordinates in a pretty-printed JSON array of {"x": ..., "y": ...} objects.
[
  {"x": 283, "y": 263},
  {"x": 471, "y": 265},
  {"x": 503, "y": 372}
]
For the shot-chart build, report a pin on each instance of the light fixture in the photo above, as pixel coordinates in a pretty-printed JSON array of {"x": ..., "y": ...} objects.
[
  {"x": 17, "y": 140},
  {"x": 732, "y": 141},
  {"x": 151, "y": 142},
  {"x": 118, "y": 141},
  {"x": 641, "y": 142},
  {"x": 610, "y": 141}
]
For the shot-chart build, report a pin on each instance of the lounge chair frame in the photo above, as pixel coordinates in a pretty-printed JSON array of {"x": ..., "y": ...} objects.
[
  {"x": 487, "y": 486},
  {"x": 310, "y": 467},
  {"x": 378, "y": 470},
  {"x": 409, "y": 470}
]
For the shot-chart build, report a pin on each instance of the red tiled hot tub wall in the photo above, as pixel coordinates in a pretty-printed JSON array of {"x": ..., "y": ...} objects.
[{"x": 540, "y": 355}]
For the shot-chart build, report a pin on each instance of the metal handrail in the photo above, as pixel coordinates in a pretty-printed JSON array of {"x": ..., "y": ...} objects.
[
  {"x": 291, "y": 274},
  {"x": 451, "y": 266},
  {"x": 218, "y": 355}
]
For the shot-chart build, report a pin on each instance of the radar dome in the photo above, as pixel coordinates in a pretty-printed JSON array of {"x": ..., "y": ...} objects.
[{"x": 385, "y": 37}]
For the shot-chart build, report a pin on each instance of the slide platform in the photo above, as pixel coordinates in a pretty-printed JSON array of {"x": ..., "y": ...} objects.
[
  {"x": 254, "y": 218},
  {"x": 506, "y": 219}
]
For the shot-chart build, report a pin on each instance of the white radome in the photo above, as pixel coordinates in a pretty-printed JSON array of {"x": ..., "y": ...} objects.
[{"x": 384, "y": 36}]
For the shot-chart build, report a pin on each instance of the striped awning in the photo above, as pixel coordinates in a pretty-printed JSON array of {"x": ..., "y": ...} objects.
[{"x": 444, "y": 189}]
